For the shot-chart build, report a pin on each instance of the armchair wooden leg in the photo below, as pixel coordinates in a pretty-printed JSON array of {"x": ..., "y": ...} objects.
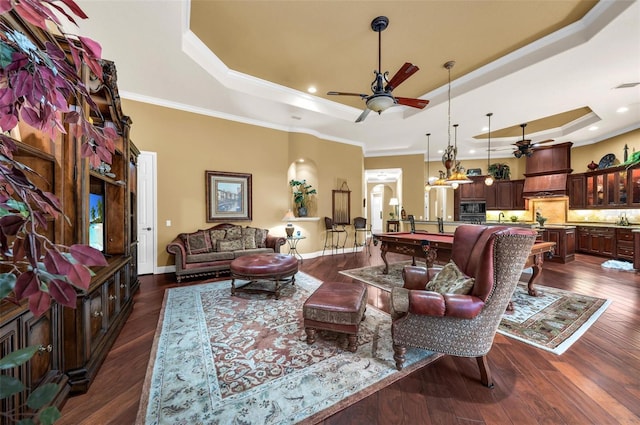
[
  {"x": 398, "y": 355},
  {"x": 485, "y": 372}
]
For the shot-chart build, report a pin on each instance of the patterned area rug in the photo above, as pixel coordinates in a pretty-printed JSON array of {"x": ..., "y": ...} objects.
[
  {"x": 219, "y": 359},
  {"x": 552, "y": 321}
]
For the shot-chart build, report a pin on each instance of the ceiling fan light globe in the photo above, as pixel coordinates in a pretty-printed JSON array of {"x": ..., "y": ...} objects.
[{"x": 379, "y": 103}]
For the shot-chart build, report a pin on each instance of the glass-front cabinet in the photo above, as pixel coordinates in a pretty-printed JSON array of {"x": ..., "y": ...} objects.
[
  {"x": 634, "y": 186},
  {"x": 613, "y": 188}
]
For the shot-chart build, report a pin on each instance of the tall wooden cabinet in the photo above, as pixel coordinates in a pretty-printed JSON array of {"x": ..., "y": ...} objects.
[{"x": 74, "y": 342}]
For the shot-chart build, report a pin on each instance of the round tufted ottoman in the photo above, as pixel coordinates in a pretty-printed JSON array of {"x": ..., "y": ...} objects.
[
  {"x": 275, "y": 267},
  {"x": 336, "y": 306}
]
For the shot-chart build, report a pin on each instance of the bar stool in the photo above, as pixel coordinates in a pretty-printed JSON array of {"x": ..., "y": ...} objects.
[
  {"x": 360, "y": 227},
  {"x": 332, "y": 237}
]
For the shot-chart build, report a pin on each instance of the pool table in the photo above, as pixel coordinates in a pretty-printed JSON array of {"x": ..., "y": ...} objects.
[{"x": 437, "y": 246}]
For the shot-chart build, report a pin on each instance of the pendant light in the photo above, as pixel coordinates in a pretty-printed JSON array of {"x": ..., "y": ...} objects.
[
  {"x": 427, "y": 185},
  {"x": 458, "y": 176},
  {"x": 489, "y": 180},
  {"x": 449, "y": 159}
]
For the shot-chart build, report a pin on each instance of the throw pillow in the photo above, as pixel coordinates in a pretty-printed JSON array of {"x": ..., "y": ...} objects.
[
  {"x": 216, "y": 235},
  {"x": 230, "y": 245},
  {"x": 261, "y": 238},
  {"x": 450, "y": 280},
  {"x": 197, "y": 242},
  {"x": 234, "y": 232},
  {"x": 249, "y": 237}
]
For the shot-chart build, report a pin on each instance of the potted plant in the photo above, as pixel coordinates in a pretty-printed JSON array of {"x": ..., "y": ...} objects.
[
  {"x": 301, "y": 193},
  {"x": 500, "y": 171}
]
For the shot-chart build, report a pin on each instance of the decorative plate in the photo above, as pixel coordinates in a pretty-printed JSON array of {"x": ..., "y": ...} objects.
[{"x": 606, "y": 161}]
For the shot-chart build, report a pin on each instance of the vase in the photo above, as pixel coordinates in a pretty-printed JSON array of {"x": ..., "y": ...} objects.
[
  {"x": 592, "y": 166},
  {"x": 302, "y": 211}
]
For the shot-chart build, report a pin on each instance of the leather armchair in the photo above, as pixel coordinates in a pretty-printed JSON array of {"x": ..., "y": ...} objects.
[{"x": 461, "y": 325}]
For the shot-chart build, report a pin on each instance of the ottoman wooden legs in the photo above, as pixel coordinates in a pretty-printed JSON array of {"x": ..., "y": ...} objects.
[{"x": 338, "y": 307}]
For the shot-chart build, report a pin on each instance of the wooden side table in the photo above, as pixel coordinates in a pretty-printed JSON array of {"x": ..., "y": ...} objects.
[{"x": 393, "y": 224}]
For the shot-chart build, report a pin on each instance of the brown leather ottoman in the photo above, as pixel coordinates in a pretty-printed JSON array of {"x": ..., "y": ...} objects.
[
  {"x": 278, "y": 268},
  {"x": 336, "y": 306}
]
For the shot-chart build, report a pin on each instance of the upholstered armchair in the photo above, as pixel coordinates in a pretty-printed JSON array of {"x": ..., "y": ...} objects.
[{"x": 462, "y": 323}]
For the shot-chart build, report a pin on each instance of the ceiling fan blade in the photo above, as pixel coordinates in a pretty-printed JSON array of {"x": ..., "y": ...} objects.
[
  {"x": 363, "y": 115},
  {"x": 414, "y": 103},
  {"x": 407, "y": 70},
  {"x": 340, "y": 93}
]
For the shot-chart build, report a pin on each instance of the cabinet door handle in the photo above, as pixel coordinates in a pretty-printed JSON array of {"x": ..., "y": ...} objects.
[
  {"x": 42, "y": 348},
  {"x": 97, "y": 314},
  {"x": 112, "y": 297},
  {"x": 146, "y": 228}
]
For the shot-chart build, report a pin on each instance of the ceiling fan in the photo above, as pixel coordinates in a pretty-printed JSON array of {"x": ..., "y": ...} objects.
[
  {"x": 382, "y": 99},
  {"x": 524, "y": 146}
]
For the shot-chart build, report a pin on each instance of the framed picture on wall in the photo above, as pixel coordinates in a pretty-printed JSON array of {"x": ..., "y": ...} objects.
[
  {"x": 474, "y": 172},
  {"x": 228, "y": 196}
]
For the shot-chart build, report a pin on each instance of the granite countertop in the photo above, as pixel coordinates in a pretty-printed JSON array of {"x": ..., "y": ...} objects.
[{"x": 601, "y": 224}]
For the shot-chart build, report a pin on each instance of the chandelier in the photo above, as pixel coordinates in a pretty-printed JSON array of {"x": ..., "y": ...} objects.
[{"x": 455, "y": 172}]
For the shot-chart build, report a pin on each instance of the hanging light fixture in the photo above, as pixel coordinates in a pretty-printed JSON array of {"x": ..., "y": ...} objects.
[
  {"x": 489, "y": 180},
  {"x": 449, "y": 158},
  {"x": 458, "y": 176},
  {"x": 442, "y": 181},
  {"x": 427, "y": 185}
]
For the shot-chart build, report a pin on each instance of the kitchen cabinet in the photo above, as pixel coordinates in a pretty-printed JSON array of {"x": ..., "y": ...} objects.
[
  {"x": 624, "y": 244},
  {"x": 616, "y": 187},
  {"x": 634, "y": 186},
  {"x": 636, "y": 250},
  {"x": 597, "y": 240},
  {"x": 577, "y": 189},
  {"x": 519, "y": 202},
  {"x": 565, "y": 239},
  {"x": 472, "y": 191},
  {"x": 505, "y": 195}
]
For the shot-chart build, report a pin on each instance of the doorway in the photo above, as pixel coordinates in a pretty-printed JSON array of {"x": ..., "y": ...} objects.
[{"x": 147, "y": 226}]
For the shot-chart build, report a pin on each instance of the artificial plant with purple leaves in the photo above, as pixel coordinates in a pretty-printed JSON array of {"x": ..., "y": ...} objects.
[{"x": 42, "y": 87}]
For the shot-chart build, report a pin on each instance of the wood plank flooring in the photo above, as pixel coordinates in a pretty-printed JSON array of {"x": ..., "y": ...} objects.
[{"x": 597, "y": 381}]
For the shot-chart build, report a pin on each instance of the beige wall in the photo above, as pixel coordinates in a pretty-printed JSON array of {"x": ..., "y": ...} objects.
[
  {"x": 583, "y": 155},
  {"x": 188, "y": 144}
]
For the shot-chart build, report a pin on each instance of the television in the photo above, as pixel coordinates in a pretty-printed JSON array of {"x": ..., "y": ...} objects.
[{"x": 96, "y": 221}]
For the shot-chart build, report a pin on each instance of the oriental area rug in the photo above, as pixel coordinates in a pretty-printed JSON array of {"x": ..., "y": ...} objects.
[
  {"x": 218, "y": 359},
  {"x": 552, "y": 321}
]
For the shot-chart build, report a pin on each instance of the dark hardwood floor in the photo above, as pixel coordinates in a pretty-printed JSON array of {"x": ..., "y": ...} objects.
[{"x": 596, "y": 381}]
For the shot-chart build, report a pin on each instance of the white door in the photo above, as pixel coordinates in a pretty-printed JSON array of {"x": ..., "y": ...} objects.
[
  {"x": 376, "y": 212},
  {"x": 146, "y": 212}
]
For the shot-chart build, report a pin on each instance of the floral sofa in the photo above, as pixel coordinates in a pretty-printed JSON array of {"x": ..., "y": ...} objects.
[{"x": 209, "y": 252}]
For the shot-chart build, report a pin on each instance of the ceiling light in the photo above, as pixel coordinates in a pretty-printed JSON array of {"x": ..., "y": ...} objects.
[
  {"x": 593, "y": 128},
  {"x": 489, "y": 180},
  {"x": 449, "y": 158},
  {"x": 622, "y": 110},
  {"x": 380, "y": 102},
  {"x": 312, "y": 89},
  {"x": 458, "y": 175}
]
